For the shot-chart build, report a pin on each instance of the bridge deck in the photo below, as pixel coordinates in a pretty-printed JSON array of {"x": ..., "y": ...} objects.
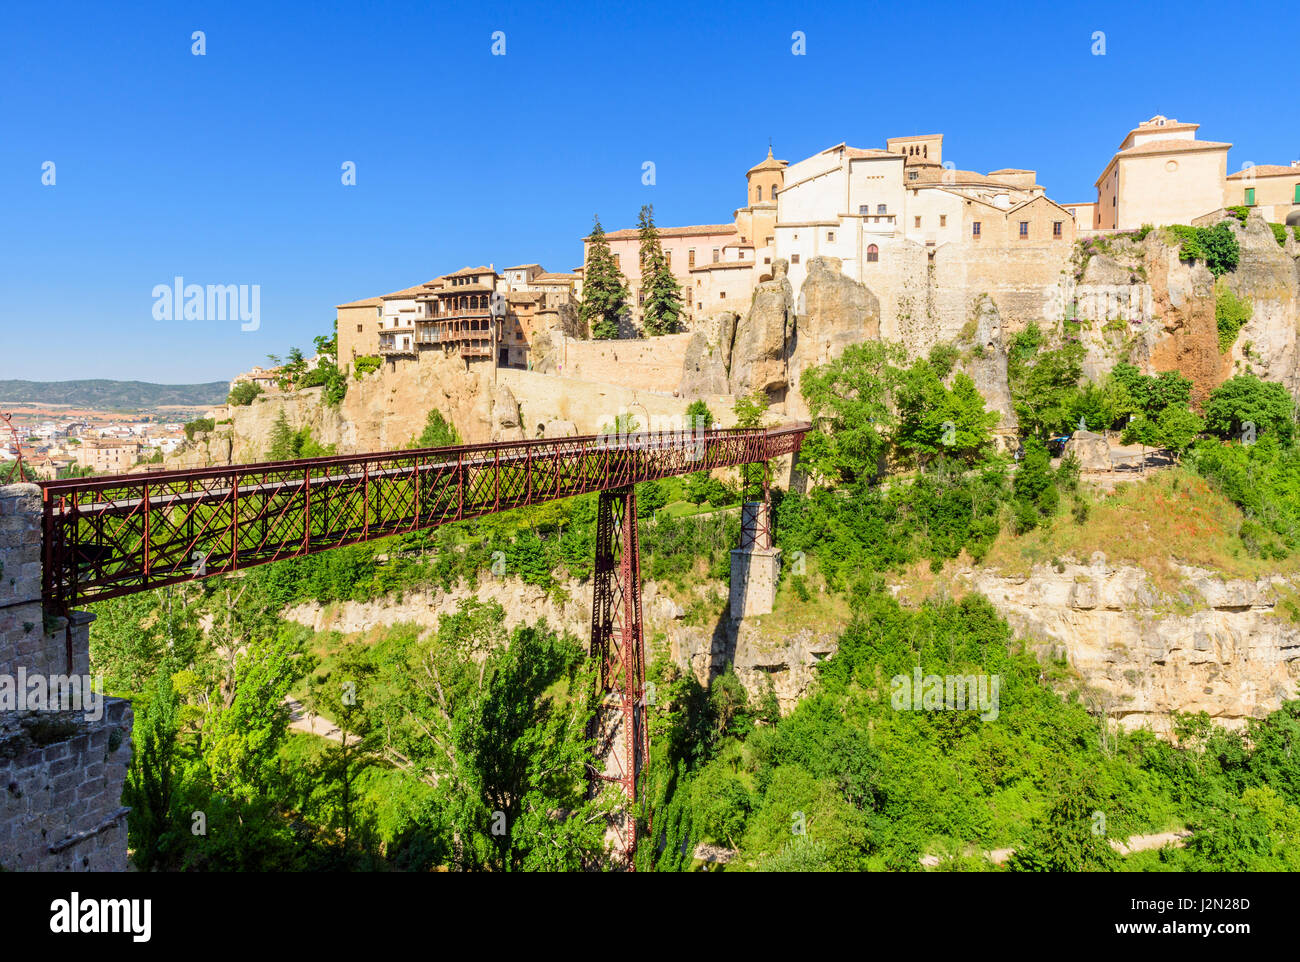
[{"x": 110, "y": 536}]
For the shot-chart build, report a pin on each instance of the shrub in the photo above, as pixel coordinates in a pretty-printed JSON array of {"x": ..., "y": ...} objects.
[
  {"x": 364, "y": 364},
  {"x": 1230, "y": 313},
  {"x": 192, "y": 428},
  {"x": 242, "y": 394},
  {"x": 1216, "y": 245}
]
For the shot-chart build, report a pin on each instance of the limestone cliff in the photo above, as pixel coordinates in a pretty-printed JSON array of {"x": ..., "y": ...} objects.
[
  {"x": 1224, "y": 647},
  {"x": 758, "y": 360}
]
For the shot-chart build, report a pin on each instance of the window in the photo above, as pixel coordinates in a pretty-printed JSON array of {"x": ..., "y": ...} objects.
[
  {"x": 911, "y": 175},
  {"x": 774, "y": 191},
  {"x": 767, "y": 260},
  {"x": 830, "y": 237},
  {"x": 882, "y": 208},
  {"x": 1056, "y": 228},
  {"x": 359, "y": 327},
  {"x": 943, "y": 220},
  {"x": 690, "y": 257},
  {"x": 916, "y": 221},
  {"x": 794, "y": 258},
  {"x": 1250, "y": 196},
  {"x": 1296, "y": 198},
  {"x": 1024, "y": 230},
  {"x": 716, "y": 253},
  {"x": 668, "y": 259},
  {"x": 722, "y": 295},
  {"x": 864, "y": 209},
  {"x": 640, "y": 297},
  {"x": 975, "y": 229},
  {"x": 768, "y": 242},
  {"x": 758, "y": 193},
  {"x": 873, "y": 253},
  {"x": 616, "y": 256}
]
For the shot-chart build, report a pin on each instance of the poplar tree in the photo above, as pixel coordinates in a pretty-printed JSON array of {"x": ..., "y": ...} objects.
[
  {"x": 604, "y": 289},
  {"x": 662, "y": 307}
]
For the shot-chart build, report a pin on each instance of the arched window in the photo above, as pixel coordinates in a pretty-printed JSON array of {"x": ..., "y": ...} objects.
[
  {"x": 925, "y": 151},
  {"x": 873, "y": 253},
  {"x": 758, "y": 192},
  {"x": 774, "y": 191}
]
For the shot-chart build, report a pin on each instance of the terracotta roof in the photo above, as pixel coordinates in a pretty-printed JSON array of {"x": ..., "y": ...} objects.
[
  {"x": 555, "y": 278},
  {"x": 1171, "y": 145},
  {"x": 461, "y": 289},
  {"x": 770, "y": 163},
  {"x": 409, "y": 292},
  {"x": 630, "y": 232},
  {"x": 520, "y": 267},
  {"x": 368, "y": 302},
  {"x": 1266, "y": 170},
  {"x": 471, "y": 270},
  {"x": 721, "y": 265},
  {"x": 525, "y": 296},
  {"x": 1010, "y": 170},
  {"x": 862, "y": 153}
]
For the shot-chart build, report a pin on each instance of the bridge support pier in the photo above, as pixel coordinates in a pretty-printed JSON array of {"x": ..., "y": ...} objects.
[
  {"x": 618, "y": 648},
  {"x": 756, "y": 564},
  {"x": 63, "y": 757}
]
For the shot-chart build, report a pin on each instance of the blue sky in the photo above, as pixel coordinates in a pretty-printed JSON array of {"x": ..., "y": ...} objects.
[{"x": 226, "y": 168}]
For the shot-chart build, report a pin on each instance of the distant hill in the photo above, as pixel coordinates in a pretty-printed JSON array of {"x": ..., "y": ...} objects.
[{"x": 113, "y": 394}]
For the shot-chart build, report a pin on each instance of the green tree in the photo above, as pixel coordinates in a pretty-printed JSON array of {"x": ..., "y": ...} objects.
[
  {"x": 937, "y": 420},
  {"x": 153, "y": 827},
  {"x": 661, "y": 309},
  {"x": 698, "y": 415},
  {"x": 604, "y": 289},
  {"x": 1067, "y": 837},
  {"x": 850, "y": 400},
  {"x": 1034, "y": 487},
  {"x": 1044, "y": 383},
  {"x": 242, "y": 394},
  {"x": 438, "y": 432},
  {"x": 1245, "y": 398},
  {"x": 283, "y": 443}
]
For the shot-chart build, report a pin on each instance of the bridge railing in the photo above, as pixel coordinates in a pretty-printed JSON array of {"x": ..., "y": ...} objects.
[{"x": 110, "y": 536}]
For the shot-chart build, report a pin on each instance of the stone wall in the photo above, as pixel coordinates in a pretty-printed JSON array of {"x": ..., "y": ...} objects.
[
  {"x": 649, "y": 364},
  {"x": 61, "y": 772}
]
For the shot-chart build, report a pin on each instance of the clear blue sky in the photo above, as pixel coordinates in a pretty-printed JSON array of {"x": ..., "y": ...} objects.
[{"x": 225, "y": 168}]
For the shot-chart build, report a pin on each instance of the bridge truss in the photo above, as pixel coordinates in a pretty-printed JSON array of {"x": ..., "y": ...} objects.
[{"x": 111, "y": 536}]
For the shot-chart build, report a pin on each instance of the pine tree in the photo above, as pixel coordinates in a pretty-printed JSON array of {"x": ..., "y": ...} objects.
[
  {"x": 662, "y": 306},
  {"x": 604, "y": 289},
  {"x": 283, "y": 442}
]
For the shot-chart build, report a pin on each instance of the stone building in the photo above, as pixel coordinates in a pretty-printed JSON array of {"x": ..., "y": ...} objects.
[{"x": 1271, "y": 189}]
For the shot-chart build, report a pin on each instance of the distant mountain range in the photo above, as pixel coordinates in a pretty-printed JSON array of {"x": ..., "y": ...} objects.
[{"x": 113, "y": 394}]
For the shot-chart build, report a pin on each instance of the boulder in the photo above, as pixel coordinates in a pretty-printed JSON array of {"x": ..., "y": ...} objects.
[
  {"x": 1092, "y": 450},
  {"x": 834, "y": 311},
  {"x": 708, "y": 357}
]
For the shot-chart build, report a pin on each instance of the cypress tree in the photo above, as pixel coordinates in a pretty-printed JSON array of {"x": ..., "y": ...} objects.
[
  {"x": 604, "y": 289},
  {"x": 662, "y": 312}
]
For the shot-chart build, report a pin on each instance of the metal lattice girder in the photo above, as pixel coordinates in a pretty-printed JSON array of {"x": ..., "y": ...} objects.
[
  {"x": 111, "y": 536},
  {"x": 618, "y": 726}
]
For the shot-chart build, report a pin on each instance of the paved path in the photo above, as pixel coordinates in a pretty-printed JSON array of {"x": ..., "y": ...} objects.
[
  {"x": 1135, "y": 843},
  {"x": 302, "y": 720}
]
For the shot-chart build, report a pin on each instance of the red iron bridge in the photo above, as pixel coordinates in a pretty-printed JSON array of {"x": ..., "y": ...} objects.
[{"x": 104, "y": 537}]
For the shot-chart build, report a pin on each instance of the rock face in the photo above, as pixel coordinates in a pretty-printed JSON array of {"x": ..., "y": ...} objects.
[
  {"x": 985, "y": 360},
  {"x": 1269, "y": 278},
  {"x": 1223, "y": 647},
  {"x": 834, "y": 311},
  {"x": 708, "y": 357},
  {"x": 758, "y": 361}
]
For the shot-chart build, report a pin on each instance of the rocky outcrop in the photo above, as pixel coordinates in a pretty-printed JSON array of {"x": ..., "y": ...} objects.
[
  {"x": 834, "y": 311},
  {"x": 758, "y": 361},
  {"x": 1269, "y": 278},
  {"x": 1092, "y": 451},
  {"x": 506, "y": 425},
  {"x": 1219, "y": 646},
  {"x": 708, "y": 357},
  {"x": 984, "y": 358}
]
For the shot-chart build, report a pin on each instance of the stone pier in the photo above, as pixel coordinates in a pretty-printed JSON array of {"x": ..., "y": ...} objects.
[
  {"x": 61, "y": 771},
  {"x": 755, "y": 567}
]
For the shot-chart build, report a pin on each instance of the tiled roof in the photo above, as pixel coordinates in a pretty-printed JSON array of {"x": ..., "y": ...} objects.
[
  {"x": 410, "y": 291},
  {"x": 1266, "y": 170},
  {"x": 721, "y": 265},
  {"x": 522, "y": 267},
  {"x": 631, "y": 232},
  {"x": 471, "y": 270},
  {"x": 770, "y": 163},
  {"x": 368, "y": 302},
  {"x": 1172, "y": 144}
]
